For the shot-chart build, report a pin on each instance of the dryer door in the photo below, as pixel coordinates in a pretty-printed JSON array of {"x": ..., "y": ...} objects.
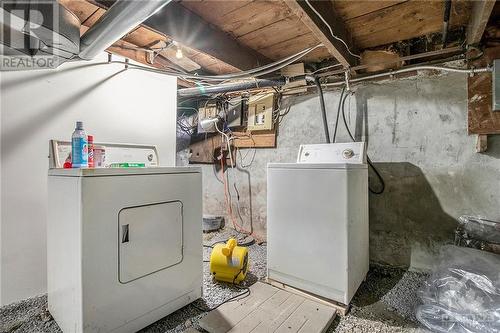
[{"x": 150, "y": 239}]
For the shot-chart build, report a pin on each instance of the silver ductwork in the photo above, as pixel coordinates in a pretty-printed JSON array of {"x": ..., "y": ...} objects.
[{"x": 119, "y": 19}]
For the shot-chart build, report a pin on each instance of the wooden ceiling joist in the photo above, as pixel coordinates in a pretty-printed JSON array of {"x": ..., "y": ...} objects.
[
  {"x": 321, "y": 30},
  {"x": 188, "y": 28},
  {"x": 481, "y": 11}
]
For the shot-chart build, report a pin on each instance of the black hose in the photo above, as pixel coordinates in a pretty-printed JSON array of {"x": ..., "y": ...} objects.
[
  {"x": 379, "y": 176},
  {"x": 323, "y": 109},
  {"x": 338, "y": 114},
  {"x": 377, "y": 173}
]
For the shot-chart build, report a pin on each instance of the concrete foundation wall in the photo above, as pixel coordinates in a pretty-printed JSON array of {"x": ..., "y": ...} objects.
[{"x": 416, "y": 131}]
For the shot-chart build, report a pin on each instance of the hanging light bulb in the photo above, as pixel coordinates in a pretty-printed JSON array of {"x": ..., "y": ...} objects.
[{"x": 178, "y": 53}]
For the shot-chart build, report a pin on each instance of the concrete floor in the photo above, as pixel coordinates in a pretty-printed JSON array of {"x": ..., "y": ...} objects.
[{"x": 385, "y": 302}]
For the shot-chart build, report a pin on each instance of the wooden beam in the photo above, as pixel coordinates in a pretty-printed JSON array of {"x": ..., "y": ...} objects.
[
  {"x": 189, "y": 29},
  {"x": 482, "y": 119},
  {"x": 481, "y": 11},
  {"x": 481, "y": 143},
  {"x": 203, "y": 151},
  {"x": 88, "y": 11},
  {"x": 321, "y": 30}
]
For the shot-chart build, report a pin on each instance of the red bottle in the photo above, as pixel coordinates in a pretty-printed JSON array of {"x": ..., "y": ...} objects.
[
  {"x": 90, "y": 140},
  {"x": 67, "y": 162}
]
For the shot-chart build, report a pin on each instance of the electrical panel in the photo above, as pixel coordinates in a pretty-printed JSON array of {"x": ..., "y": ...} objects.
[
  {"x": 260, "y": 112},
  {"x": 206, "y": 110}
]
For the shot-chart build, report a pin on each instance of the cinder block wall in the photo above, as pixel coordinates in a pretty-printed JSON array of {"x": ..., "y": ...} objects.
[{"x": 416, "y": 131}]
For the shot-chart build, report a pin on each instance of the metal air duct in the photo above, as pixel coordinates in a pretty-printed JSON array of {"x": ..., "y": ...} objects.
[{"x": 119, "y": 19}]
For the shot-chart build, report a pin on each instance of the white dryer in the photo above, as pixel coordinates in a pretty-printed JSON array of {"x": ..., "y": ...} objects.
[
  {"x": 317, "y": 220},
  {"x": 124, "y": 246}
]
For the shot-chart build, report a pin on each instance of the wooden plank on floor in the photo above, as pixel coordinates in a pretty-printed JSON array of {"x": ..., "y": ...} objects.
[
  {"x": 269, "y": 309},
  {"x": 225, "y": 317},
  {"x": 308, "y": 317},
  {"x": 340, "y": 308},
  {"x": 269, "y": 316}
]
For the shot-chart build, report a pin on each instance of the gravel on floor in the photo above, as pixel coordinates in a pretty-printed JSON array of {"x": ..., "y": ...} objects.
[
  {"x": 30, "y": 315},
  {"x": 385, "y": 302},
  {"x": 214, "y": 292}
]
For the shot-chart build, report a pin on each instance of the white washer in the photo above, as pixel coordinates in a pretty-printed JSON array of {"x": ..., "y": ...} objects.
[
  {"x": 124, "y": 246},
  {"x": 317, "y": 220}
]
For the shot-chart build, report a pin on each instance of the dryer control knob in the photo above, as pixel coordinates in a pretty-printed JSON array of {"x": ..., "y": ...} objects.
[{"x": 348, "y": 153}]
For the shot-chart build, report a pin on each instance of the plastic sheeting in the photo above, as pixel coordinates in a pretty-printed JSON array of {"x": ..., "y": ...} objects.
[
  {"x": 477, "y": 232},
  {"x": 463, "y": 293}
]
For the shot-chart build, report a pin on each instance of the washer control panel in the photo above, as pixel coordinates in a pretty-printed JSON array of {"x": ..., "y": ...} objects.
[{"x": 352, "y": 153}]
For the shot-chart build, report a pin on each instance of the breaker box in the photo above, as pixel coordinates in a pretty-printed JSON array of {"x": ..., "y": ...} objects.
[{"x": 260, "y": 112}]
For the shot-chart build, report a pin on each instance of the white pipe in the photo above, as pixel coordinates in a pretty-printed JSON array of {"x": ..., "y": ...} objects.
[
  {"x": 118, "y": 20},
  {"x": 412, "y": 69},
  {"x": 250, "y": 74}
]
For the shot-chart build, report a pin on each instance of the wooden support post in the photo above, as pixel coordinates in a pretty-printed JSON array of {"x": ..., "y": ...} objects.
[
  {"x": 481, "y": 11},
  {"x": 482, "y": 143}
]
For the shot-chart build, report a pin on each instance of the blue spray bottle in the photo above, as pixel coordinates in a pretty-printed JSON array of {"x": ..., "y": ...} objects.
[{"x": 79, "y": 147}]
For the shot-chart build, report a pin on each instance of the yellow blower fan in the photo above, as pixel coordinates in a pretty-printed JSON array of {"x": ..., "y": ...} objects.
[{"x": 229, "y": 262}]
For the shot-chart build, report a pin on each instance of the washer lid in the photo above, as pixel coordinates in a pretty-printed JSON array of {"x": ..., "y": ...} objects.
[
  {"x": 316, "y": 166},
  {"x": 121, "y": 171}
]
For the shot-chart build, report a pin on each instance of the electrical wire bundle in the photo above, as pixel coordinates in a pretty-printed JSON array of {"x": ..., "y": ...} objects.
[
  {"x": 341, "y": 108},
  {"x": 208, "y": 79},
  {"x": 227, "y": 191},
  {"x": 370, "y": 163},
  {"x": 187, "y": 124},
  {"x": 246, "y": 292}
]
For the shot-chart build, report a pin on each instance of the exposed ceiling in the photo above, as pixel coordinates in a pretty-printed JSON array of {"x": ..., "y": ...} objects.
[
  {"x": 272, "y": 29},
  {"x": 221, "y": 36}
]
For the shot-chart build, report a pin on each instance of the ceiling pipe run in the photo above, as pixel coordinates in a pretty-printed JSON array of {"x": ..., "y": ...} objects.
[
  {"x": 231, "y": 87},
  {"x": 118, "y": 20}
]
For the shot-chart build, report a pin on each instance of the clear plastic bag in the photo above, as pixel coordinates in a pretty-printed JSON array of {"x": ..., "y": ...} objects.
[
  {"x": 477, "y": 232},
  {"x": 462, "y": 294}
]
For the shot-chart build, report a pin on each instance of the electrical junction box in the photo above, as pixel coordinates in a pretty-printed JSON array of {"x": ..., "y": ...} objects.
[
  {"x": 206, "y": 110},
  {"x": 235, "y": 109},
  {"x": 496, "y": 85},
  {"x": 260, "y": 112}
]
